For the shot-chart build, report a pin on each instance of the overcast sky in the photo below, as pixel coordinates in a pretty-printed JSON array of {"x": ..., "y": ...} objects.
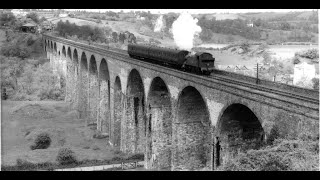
[{"x": 198, "y": 11}]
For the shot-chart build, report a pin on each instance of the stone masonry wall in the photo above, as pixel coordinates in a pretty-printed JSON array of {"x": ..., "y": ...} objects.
[
  {"x": 94, "y": 97},
  {"x": 104, "y": 116}
]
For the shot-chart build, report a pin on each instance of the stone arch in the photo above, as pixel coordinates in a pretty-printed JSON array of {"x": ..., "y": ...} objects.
[
  {"x": 84, "y": 85},
  {"x": 93, "y": 90},
  {"x": 104, "y": 96},
  {"x": 159, "y": 126},
  {"x": 238, "y": 129},
  {"x": 118, "y": 109},
  {"x": 193, "y": 131},
  {"x": 135, "y": 113},
  {"x": 64, "y": 51}
]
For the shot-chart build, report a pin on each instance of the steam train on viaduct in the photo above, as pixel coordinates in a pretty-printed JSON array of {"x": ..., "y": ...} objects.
[{"x": 198, "y": 63}]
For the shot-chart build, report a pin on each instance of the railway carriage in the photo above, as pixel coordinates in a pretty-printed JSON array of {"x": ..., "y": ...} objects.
[{"x": 201, "y": 63}]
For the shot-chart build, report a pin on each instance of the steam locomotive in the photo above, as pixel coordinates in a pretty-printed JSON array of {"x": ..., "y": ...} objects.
[{"x": 198, "y": 63}]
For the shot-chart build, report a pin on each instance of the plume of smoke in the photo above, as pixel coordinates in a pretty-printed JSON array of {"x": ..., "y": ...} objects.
[
  {"x": 160, "y": 25},
  {"x": 184, "y": 29}
]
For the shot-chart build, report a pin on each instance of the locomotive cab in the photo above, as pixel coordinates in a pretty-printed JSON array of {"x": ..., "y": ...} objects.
[{"x": 206, "y": 62}]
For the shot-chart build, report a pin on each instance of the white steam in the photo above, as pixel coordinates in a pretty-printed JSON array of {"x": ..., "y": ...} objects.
[
  {"x": 184, "y": 29},
  {"x": 160, "y": 25}
]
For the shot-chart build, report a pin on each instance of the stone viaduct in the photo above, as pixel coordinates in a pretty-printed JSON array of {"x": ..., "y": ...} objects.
[{"x": 176, "y": 119}]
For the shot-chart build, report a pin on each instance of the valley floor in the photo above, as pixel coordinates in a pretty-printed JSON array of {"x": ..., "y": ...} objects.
[{"x": 22, "y": 121}]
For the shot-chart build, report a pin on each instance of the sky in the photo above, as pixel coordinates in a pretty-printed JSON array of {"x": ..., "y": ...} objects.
[{"x": 197, "y": 11}]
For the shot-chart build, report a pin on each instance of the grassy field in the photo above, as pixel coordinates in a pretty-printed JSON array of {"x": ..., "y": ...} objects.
[{"x": 22, "y": 121}]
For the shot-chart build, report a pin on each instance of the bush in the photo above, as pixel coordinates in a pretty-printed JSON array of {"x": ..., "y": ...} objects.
[
  {"x": 42, "y": 141},
  {"x": 310, "y": 53},
  {"x": 136, "y": 157},
  {"x": 295, "y": 60},
  {"x": 16, "y": 51},
  {"x": 52, "y": 94},
  {"x": 34, "y": 16},
  {"x": 7, "y": 18},
  {"x": 274, "y": 134},
  {"x": 24, "y": 165},
  {"x": 276, "y": 163},
  {"x": 66, "y": 156}
]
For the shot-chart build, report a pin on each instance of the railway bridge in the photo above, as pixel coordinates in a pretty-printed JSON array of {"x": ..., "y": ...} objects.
[{"x": 178, "y": 120}]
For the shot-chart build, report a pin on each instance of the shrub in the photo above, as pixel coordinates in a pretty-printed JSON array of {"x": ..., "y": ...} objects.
[
  {"x": 24, "y": 165},
  {"x": 42, "y": 141},
  {"x": 276, "y": 163},
  {"x": 274, "y": 134},
  {"x": 16, "y": 51},
  {"x": 117, "y": 159},
  {"x": 310, "y": 53},
  {"x": 136, "y": 157},
  {"x": 315, "y": 82},
  {"x": 296, "y": 60},
  {"x": 66, "y": 156},
  {"x": 34, "y": 16},
  {"x": 245, "y": 46}
]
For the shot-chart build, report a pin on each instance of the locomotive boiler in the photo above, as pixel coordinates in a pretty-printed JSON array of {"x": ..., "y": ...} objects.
[{"x": 199, "y": 63}]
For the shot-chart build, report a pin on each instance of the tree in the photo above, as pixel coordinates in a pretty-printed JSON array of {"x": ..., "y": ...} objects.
[
  {"x": 33, "y": 16},
  {"x": 43, "y": 19},
  {"x": 122, "y": 37},
  {"x": 206, "y": 35},
  {"x": 7, "y": 18},
  {"x": 266, "y": 58},
  {"x": 115, "y": 37},
  {"x": 285, "y": 26},
  {"x": 315, "y": 82},
  {"x": 275, "y": 69}
]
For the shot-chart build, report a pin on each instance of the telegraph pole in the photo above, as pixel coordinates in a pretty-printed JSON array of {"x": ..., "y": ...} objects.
[{"x": 257, "y": 79}]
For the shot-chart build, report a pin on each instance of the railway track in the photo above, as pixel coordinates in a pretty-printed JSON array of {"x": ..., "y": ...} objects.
[
  {"x": 251, "y": 85},
  {"x": 266, "y": 88}
]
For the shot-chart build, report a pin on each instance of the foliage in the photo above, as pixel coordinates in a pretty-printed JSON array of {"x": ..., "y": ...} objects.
[
  {"x": 112, "y": 14},
  {"x": 315, "y": 82},
  {"x": 115, "y": 36},
  {"x": 234, "y": 27},
  {"x": 295, "y": 60},
  {"x": 310, "y": 54},
  {"x": 206, "y": 35},
  {"x": 7, "y": 18},
  {"x": 274, "y": 134},
  {"x": 15, "y": 50},
  {"x": 42, "y": 141},
  {"x": 266, "y": 58},
  {"x": 85, "y": 32},
  {"x": 34, "y": 16},
  {"x": 66, "y": 156},
  {"x": 43, "y": 19},
  {"x": 136, "y": 157},
  {"x": 245, "y": 46},
  {"x": 281, "y": 155}
]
